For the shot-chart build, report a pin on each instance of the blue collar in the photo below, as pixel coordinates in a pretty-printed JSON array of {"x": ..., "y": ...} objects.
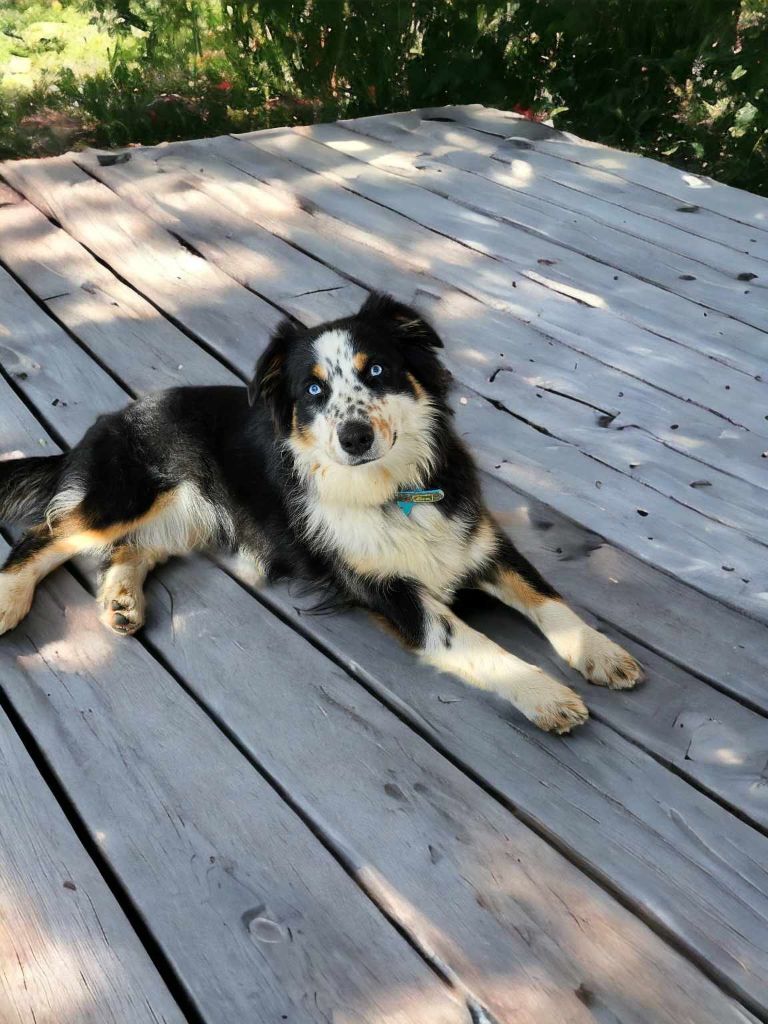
[{"x": 406, "y": 499}]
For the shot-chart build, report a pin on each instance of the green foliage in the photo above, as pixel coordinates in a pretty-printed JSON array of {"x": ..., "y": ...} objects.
[{"x": 680, "y": 80}]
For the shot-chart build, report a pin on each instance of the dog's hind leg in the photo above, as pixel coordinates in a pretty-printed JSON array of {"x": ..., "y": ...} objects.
[
  {"x": 513, "y": 580},
  {"x": 68, "y": 531},
  {"x": 121, "y": 589},
  {"x": 36, "y": 554}
]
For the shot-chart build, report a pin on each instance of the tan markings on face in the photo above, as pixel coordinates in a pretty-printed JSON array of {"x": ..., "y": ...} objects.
[
  {"x": 359, "y": 361},
  {"x": 319, "y": 371},
  {"x": 418, "y": 390},
  {"x": 301, "y": 437},
  {"x": 383, "y": 427}
]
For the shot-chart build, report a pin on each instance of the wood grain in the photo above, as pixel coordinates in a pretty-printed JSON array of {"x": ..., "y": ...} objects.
[
  {"x": 67, "y": 952},
  {"x": 733, "y": 203},
  {"x": 688, "y": 278},
  {"x": 598, "y": 189},
  {"x": 534, "y": 178}
]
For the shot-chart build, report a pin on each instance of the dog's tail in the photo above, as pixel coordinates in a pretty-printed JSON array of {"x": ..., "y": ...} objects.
[{"x": 27, "y": 486}]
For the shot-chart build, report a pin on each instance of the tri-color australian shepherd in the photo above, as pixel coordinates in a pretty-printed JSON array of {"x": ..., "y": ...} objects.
[{"x": 339, "y": 463}]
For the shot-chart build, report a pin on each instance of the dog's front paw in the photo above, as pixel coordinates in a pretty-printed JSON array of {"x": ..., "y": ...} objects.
[
  {"x": 604, "y": 663},
  {"x": 547, "y": 703},
  {"x": 561, "y": 711},
  {"x": 15, "y": 600}
]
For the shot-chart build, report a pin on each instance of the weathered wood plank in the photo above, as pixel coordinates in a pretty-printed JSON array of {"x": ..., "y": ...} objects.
[
  {"x": 529, "y": 177},
  {"x": 29, "y": 350},
  {"x": 596, "y": 496},
  {"x": 548, "y": 274},
  {"x": 747, "y": 681},
  {"x": 668, "y": 366},
  {"x": 687, "y": 277},
  {"x": 256, "y": 916},
  {"x": 622, "y": 870},
  {"x": 593, "y": 932},
  {"x": 742, "y": 396},
  {"x": 655, "y": 609},
  {"x": 428, "y": 844},
  {"x": 728, "y": 490},
  {"x": 722, "y": 581},
  {"x": 723, "y": 499},
  {"x": 107, "y": 316},
  {"x": 684, "y": 186},
  {"x": 602, "y": 762},
  {"x": 67, "y": 952},
  {"x": 145, "y": 256},
  {"x": 250, "y": 254},
  {"x": 598, "y": 192},
  {"x": 602, "y": 798}
]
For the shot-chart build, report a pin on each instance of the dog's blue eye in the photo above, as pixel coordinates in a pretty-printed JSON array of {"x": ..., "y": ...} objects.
[
  {"x": 375, "y": 370},
  {"x": 314, "y": 390}
]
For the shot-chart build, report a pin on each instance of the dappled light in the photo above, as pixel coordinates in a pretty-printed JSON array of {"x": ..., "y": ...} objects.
[
  {"x": 522, "y": 173},
  {"x": 580, "y": 294},
  {"x": 43, "y": 971},
  {"x": 693, "y": 181},
  {"x": 350, "y": 146}
]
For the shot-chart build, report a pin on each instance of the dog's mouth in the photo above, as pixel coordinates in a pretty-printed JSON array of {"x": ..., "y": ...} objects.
[
  {"x": 363, "y": 460},
  {"x": 370, "y": 456}
]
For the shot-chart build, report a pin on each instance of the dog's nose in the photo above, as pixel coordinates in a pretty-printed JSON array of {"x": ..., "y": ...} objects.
[{"x": 356, "y": 437}]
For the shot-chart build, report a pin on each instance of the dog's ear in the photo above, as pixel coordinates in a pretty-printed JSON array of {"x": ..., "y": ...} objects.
[
  {"x": 404, "y": 321},
  {"x": 268, "y": 383},
  {"x": 416, "y": 337}
]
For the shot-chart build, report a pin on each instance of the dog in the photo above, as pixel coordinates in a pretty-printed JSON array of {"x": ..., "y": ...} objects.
[{"x": 338, "y": 463}]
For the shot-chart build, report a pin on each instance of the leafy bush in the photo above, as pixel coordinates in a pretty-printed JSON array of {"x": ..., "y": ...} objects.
[{"x": 681, "y": 80}]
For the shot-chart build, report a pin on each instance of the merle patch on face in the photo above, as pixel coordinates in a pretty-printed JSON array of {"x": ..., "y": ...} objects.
[{"x": 342, "y": 386}]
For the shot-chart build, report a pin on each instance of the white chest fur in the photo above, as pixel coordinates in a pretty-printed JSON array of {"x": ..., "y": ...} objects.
[{"x": 383, "y": 542}]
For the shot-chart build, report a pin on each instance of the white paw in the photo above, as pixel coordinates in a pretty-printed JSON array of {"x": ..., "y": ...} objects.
[
  {"x": 561, "y": 711},
  {"x": 16, "y": 593},
  {"x": 598, "y": 659},
  {"x": 123, "y": 609},
  {"x": 548, "y": 704},
  {"x": 603, "y": 662}
]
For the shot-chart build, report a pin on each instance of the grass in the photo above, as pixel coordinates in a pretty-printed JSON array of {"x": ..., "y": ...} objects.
[{"x": 37, "y": 39}]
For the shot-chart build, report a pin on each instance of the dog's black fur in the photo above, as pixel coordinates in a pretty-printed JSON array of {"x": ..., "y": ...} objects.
[{"x": 263, "y": 471}]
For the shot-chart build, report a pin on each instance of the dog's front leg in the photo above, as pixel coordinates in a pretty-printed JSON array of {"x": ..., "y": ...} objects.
[
  {"x": 443, "y": 640},
  {"x": 518, "y": 584}
]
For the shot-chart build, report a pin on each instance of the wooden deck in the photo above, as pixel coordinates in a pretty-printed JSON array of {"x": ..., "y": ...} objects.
[{"x": 251, "y": 814}]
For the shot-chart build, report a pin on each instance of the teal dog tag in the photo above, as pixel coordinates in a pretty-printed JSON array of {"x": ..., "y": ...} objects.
[{"x": 407, "y": 499}]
